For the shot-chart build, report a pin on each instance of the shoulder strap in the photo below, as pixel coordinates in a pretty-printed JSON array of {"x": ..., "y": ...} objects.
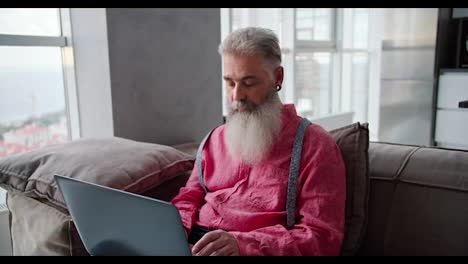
[
  {"x": 294, "y": 172},
  {"x": 198, "y": 161}
]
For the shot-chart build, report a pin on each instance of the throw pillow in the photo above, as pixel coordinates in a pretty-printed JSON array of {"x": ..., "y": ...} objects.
[
  {"x": 114, "y": 162},
  {"x": 353, "y": 141}
]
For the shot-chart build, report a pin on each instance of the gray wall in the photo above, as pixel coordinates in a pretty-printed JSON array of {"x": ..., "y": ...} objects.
[
  {"x": 165, "y": 73},
  {"x": 92, "y": 71}
]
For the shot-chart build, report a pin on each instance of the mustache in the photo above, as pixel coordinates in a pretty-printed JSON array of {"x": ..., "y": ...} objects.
[{"x": 250, "y": 106}]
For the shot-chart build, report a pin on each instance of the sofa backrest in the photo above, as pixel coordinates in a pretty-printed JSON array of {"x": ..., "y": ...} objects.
[{"x": 418, "y": 201}]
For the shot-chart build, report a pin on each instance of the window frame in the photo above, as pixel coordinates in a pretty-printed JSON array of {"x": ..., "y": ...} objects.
[
  {"x": 317, "y": 46},
  {"x": 339, "y": 95},
  {"x": 64, "y": 42}
]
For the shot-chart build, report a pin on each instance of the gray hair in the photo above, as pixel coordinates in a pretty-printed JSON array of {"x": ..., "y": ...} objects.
[{"x": 252, "y": 41}]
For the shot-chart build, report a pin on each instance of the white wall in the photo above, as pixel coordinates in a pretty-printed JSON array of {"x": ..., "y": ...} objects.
[{"x": 89, "y": 33}]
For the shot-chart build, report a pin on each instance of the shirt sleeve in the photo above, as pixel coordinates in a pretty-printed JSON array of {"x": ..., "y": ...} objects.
[
  {"x": 320, "y": 210},
  {"x": 189, "y": 199}
]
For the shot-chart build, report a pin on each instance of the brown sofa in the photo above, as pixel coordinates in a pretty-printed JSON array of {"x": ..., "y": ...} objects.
[
  {"x": 418, "y": 202},
  {"x": 417, "y": 205}
]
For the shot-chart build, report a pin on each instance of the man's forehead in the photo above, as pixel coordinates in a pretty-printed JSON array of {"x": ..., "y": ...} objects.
[
  {"x": 239, "y": 72},
  {"x": 243, "y": 67}
]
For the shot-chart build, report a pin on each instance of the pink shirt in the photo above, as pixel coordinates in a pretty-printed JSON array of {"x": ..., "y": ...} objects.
[{"x": 249, "y": 201}]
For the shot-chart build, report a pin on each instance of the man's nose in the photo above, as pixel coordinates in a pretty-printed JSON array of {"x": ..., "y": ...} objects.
[{"x": 238, "y": 93}]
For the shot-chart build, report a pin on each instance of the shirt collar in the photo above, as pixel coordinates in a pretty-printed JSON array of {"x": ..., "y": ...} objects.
[{"x": 289, "y": 110}]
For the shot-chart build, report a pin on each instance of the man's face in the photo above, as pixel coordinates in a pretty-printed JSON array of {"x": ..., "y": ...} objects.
[{"x": 249, "y": 80}]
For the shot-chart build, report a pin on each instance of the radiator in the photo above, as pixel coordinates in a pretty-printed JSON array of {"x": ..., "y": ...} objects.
[{"x": 5, "y": 239}]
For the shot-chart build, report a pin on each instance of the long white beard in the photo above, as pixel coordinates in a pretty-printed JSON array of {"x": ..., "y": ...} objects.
[{"x": 250, "y": 135}]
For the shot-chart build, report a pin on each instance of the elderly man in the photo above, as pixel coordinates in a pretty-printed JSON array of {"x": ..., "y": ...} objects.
[{"x": 267, "y": 182}]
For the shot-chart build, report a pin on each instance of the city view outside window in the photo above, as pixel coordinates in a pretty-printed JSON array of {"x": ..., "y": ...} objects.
[{"x": 32, "y": 94}]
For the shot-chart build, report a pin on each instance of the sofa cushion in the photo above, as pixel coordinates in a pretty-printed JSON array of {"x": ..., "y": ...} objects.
[
  {"x": 430, "y": 204},
  {"x": 418, "y": 201},
  {"x": 115, "y": 162},
  {"x": 353, "y": 141},
  {"x": 386, "y": 162},
  {"x": 38, "y": 229}
]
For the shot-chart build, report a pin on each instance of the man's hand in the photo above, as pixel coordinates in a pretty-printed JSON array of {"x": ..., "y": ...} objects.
[{"x": 216, "y": 243}]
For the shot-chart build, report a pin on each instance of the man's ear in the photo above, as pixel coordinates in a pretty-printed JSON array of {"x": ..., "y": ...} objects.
[{"x": 279, "y": 75}]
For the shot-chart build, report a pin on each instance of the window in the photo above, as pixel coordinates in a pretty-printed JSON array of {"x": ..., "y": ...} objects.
[
  {"x": 354, "y": 63},
  {"x": 30, "y": 21},
  {"x": 313, "y": 83},
  {"x": 314, "y": 24},
  {"x": 325, "y": 54},
  {"x": 34, "y": 84}
]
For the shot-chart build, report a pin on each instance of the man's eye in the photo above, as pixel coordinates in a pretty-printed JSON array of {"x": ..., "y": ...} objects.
[
  {"x": 249, "y": 84},
  {"x": 230, "y": 84}
]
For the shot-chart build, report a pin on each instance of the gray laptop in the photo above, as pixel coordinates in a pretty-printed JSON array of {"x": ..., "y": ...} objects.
[{"x": 115, "y": 222}]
